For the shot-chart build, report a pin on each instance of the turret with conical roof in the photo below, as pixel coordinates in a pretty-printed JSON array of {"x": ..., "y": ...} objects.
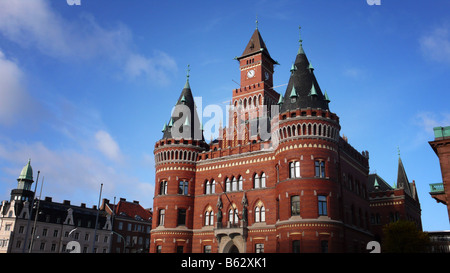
[
  {"x": 304, "y": 82},
  {"x": 184, "y": 122},
  {"x": 23, "y": 191}
]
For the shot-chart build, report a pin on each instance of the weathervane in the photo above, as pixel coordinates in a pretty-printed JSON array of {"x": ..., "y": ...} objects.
[
  {"x": 300, "y": 34},
  {"x": 187, "y": 71}
]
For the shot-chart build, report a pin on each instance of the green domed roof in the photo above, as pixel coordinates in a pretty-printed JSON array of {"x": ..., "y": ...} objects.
[{"x": 27, "y": 172}]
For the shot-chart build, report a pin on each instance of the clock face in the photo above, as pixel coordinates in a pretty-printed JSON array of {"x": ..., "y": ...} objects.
[
  {"x": 251, "y": 73},
  {"x": 267, "y": 75}
]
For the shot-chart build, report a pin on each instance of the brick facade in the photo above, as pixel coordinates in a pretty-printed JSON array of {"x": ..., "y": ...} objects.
[{"x": 310, "y": 193}]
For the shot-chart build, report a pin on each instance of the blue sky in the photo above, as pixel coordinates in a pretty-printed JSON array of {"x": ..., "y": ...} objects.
[{"x": 85, "y": 90}]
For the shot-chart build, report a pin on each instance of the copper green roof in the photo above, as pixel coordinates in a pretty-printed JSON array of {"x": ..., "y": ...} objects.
[{"x": 27, "y": 172}]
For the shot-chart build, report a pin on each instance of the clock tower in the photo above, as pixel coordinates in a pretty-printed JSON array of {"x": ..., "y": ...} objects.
[{"x": 256, "y": 88}]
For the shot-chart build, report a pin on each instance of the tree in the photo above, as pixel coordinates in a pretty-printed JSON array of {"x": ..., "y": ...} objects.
[{"x": 403, "y": 237}]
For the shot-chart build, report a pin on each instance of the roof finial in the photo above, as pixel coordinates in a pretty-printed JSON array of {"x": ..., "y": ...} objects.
[
  {"x": 300, "y": 49},
  {"x": 256, "y": 21},
  {"x": 187, "y": 71},
  {"x": 398, "y": 149},
  {"x": 187, "y": 86},
  {"x": 300, "y": 34}
]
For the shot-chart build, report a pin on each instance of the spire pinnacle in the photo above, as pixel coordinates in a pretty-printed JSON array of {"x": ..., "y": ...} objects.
[
  {"x": 256, "y": 21},
  {"x": 300, "y": 49},
  {"x": 188, "y": 70}
]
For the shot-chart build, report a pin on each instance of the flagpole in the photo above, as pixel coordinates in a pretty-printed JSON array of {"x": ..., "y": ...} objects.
[
  {"x": 96, "y": 219},
  {"x": 30, "y": 212},
  {"x": 35, "y": 217}
]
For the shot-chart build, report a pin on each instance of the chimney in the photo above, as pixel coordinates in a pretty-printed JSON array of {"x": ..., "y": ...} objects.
[
  {"x": 48, "y": 199},
  {"x": 136, "y": 202},
  {"x": 66, "y": 202},
  {"x": 83, "y": 205}
]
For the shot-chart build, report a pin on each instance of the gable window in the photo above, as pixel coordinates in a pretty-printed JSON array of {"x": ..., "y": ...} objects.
[{"x": 294, "y": 169}]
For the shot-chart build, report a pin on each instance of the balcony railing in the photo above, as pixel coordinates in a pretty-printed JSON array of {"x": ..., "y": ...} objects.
[
  {"x": 231, "y": 229},
  {"x": 437, "y": 188}
]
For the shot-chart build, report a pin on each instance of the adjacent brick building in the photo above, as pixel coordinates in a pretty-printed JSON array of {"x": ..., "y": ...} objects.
[
  {"x": 392, "y": 203},
  {"x": 279, "y": 178},
  {"x": 441, "y": 146},
  {"x": 131, "y": 226}
]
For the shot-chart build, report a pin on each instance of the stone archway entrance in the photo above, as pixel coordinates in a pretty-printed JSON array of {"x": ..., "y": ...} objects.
[
  {"x": 231, "y": 245},
  {"x": 233, "y": 249}
]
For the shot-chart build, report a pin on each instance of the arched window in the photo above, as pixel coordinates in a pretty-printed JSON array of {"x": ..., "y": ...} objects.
[
  {"x": 233, "y": 216},
  {"x": 260, "y": 213},
  {"x": 209, "y": 217},
  {"x": 240, "y": 180},
  {"x": 234, "y": 184},
  {"x": 263, "y": 180},
  {"x": 256, "y": 181},
  {"x": 207, "y": 187},
  {"x": 227, "y": 185},
  {"x": 213, "y": 186}
]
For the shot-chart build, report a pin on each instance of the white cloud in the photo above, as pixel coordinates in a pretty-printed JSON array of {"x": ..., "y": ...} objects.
[
  {"x": 108, "y": 146},
  {"x": 425, "y": 122},
  {"x": 35, "y": 24},
  {"x": 354, "y": 73},
  {"x": 14, "y": 98},
  {"x": 436, "y": 44}
]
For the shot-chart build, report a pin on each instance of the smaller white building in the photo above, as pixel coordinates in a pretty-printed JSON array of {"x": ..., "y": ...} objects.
[{"x": 43, "y": 226}]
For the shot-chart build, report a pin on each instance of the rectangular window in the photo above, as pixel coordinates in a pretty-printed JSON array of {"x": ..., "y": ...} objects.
[
  {"x": 259, "y": 248},
  {"x": 319, "y": 168},
  {"x": 207, "y": 249},
  {"x": 179, "y": 249},
  {"x": 294, "y": 169},
  {"x": 162, "y": 213},
  {"x": 183, "y": 187},
  {"x": 322, "y": 200},
  {"x": 324, "y": 246},
  {"x": 295, "y": 205},
  {"x": 182, "y": 217},
  {"x": 296, "y": 246}
]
